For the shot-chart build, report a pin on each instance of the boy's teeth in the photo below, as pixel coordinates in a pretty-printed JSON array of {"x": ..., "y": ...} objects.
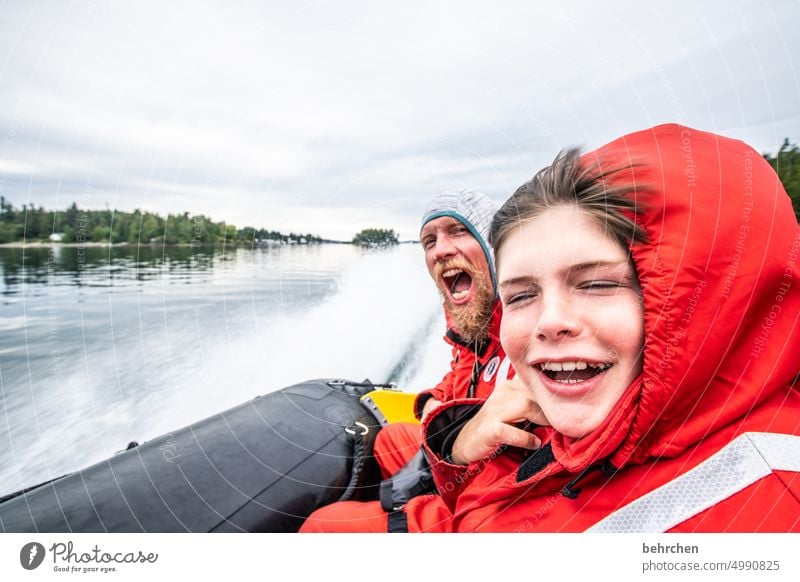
[
  {"x": 571, "y": 366},
  {"x": 451, "y": 273},
  {"x": 460, "y": 294}
]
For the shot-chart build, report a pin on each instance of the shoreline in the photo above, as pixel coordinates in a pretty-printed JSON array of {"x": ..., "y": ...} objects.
[
  {"x": 46, "y": 244},
  {"x": 25, "y": 245}
]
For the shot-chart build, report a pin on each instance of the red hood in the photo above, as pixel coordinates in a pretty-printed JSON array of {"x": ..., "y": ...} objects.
[{"x": 719, "y": 281}]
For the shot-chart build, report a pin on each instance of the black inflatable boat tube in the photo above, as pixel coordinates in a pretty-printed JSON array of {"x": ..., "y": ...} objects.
[{"x": 263, "y": 466}]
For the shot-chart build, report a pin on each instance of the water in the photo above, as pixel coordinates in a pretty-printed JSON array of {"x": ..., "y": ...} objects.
[{"x": 100, "y": 347}]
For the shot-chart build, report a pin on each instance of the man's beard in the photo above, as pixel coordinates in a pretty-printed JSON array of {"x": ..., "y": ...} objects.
[{"x": 472, "y": 320}]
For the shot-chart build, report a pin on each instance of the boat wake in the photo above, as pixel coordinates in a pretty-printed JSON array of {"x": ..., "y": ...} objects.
[{"x": 381, "y": 320}]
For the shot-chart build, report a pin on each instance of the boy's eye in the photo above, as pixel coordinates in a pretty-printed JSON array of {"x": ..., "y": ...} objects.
[
  {"x": 518, "y": 299},
  {"x": 599, "y": 285}
]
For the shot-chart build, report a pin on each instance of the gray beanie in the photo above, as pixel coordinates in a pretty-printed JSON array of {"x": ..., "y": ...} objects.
[{"x": 472, "y": 209}]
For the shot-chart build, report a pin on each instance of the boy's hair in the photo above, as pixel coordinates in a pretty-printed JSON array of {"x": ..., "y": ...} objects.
[{"x": 568, "y": 182}]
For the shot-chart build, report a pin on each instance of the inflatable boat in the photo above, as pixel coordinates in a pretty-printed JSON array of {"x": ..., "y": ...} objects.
[{"x": 262, "y": 466}]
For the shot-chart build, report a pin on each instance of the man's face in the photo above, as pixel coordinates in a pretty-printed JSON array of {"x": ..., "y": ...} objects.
[{"x": 458, "y": 266}]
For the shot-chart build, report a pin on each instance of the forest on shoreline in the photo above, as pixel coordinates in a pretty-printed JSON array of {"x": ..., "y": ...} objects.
[
  {"x": 31, "y": 224},
  {"x": 75, "y": 225}
]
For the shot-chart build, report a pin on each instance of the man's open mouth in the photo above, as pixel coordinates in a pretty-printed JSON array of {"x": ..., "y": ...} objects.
[
  {"x": 573, "y": 372},
  {"x": 458, "y": 283}
]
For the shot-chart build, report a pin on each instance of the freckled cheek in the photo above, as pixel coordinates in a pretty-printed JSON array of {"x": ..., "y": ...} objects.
[
  {"x": 515, "y": 335},
  {"x": 476, "y": 258},
  {"x": 621, "y": 320},
  {"x": 429, "y": 262}
]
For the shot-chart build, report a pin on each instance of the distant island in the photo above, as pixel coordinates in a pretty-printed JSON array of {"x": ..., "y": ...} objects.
[
  {"x": 376, "y": 237},
  {"x": 75, "y": 225}
]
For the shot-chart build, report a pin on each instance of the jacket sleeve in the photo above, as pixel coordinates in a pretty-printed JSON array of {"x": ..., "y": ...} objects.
[
  {"x": 439, "y": 433},
  {"x": 442, "y": 392}
]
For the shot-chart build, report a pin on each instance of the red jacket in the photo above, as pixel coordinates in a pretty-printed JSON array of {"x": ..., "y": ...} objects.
[
  {"x": 474, "y": 370},
  {"x": 718, "y": 397}
]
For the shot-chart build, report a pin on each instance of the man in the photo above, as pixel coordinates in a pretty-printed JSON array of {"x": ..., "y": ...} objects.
[
  {"x": 454, "y": 230},
  {"x": 453, "y": 234}
]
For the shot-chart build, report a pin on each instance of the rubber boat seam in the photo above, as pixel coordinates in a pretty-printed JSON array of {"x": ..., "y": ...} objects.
[
  {"x": 225, "y": 479},
  {"x": 250, "y": 498},
  {"x": 277, "y": 433},
  {"x": 201, "y": 498},
  {"x": 155, "y": 488},
  {"x": 253, "y": 498}
]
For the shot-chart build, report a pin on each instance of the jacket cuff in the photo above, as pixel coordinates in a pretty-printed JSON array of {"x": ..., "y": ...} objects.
[
  {"x": 440, "y": 431},
  {"x": 422, "y": 399},
  {"x": 444, "y": 427}
]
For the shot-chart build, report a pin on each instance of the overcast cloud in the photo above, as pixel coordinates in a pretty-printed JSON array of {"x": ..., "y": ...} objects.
[{"x": 329, "y": 117}]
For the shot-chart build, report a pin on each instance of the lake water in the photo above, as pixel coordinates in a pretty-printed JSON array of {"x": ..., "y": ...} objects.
[{"x": 99, "y": 346}]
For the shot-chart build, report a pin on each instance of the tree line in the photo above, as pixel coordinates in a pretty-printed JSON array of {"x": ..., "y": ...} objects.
[
  {"x": 787, "y": 165},
  {"x": 77, "y": 225}
]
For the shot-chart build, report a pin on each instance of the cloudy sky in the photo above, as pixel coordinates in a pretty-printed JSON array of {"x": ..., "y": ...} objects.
[{"x": 329, "y": 117}]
